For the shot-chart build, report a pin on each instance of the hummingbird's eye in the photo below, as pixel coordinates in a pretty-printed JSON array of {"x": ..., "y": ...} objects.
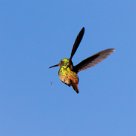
[{"x": 62, "y": 62}]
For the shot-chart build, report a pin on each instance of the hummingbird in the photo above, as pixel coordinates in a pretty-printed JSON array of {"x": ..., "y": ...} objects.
[{"x": 68, "y": 73}]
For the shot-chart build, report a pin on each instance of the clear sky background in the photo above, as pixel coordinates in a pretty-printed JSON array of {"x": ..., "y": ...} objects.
[{"x": 35, "y": 34}]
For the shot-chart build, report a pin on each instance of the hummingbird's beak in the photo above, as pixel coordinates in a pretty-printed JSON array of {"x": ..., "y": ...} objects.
[{"x": 54, "y": 66}]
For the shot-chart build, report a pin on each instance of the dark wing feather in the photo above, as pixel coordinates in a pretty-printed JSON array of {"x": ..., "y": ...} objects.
[
  {"x": 77, "y": 42},
  {"x": 93, "y": 60}
]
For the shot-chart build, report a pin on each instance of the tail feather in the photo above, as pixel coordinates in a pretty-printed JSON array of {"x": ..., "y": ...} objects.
[{"x": 75, "y": 87}]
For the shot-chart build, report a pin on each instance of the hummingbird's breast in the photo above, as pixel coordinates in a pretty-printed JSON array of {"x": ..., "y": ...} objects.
[{"x": 68, "y": 76}]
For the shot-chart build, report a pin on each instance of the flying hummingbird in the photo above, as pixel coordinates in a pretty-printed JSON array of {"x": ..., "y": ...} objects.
[{"x": 68, "y": 72}]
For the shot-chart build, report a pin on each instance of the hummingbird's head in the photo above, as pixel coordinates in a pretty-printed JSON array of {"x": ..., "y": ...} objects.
[{"x": 64, "y": 62}]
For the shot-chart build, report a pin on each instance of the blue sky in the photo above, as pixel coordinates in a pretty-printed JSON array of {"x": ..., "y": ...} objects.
[{"x": 37, "y": 34}]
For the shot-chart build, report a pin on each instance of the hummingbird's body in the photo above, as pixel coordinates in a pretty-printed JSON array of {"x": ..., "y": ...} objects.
[{"x": 68, "y": 73}]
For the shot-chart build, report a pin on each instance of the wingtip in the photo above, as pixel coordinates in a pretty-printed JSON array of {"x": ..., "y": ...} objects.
[
  {"x": 83, "y": 29},
  {"x": 113, "y": 49}
]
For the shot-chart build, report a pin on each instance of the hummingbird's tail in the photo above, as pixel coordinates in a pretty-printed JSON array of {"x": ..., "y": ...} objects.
[{"x": 75, "y": 87}]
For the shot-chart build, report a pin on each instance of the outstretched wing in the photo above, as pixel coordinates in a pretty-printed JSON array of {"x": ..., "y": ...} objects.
[
  {"x": 77, "y": 42},
  {"x": 93, "y": 60}
]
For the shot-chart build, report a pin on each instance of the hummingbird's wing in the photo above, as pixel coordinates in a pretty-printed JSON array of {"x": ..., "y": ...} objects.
[
  {"x": 93, "y": 60},
  {"x": 77, "y": 42}
]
